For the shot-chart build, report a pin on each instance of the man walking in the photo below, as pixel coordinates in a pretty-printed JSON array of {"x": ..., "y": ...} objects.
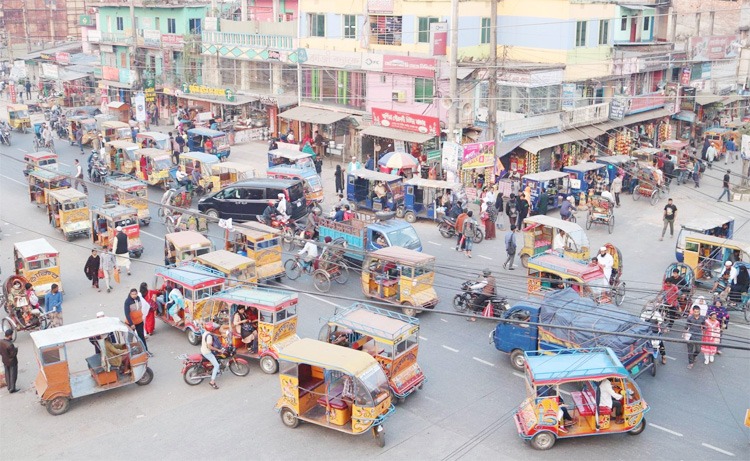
[
  {"x": 469, "y": 230},
  {"x": 670, "y": 213},
  {"x": 9, "y": 353},
  {"x": 460, "y": 230},
  {"x": 79, "y": 137},
  {"x": 731, "y": 151},
  {"x": 745, "y": 156},
  {"x": 725, "y": 187},
  {"x": 510, "y": 248},
  {"x": 617, "y": 188},
  {"x": 79, "y": 177},
  {"x": 108, "y": 264},
  {"x": 28, "y": 90},
  {"x": 120, "y": 247},
  {"x": 523, "y": 209},
  {"x": 697, "y": 172},
  {"x": 694, "y": 334},
  {"x": 53, "y": 305}
]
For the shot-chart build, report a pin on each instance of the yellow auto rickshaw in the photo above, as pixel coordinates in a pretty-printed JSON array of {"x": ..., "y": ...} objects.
[
  {"x": 42, "y": 160},
  {"x": 231, "y": 172},
  {"x": 258, "y": 242},
  {"x": 152, "y": 166},
  {"x": 184, "y": 246},
  {"x": 87, "y": 126},
  {"x": 120, "y": 156},
  {"x": 541, "y": 233},
  {"x": 41, "y": 182},
  {"x": 114, "y": 130},
  {"x": 199, "y": 167},
  {"x": 39, "y": 263},
  {"x": 335, "y": 387},
  {"x": 68, "y": 210},
  {"x": 400, "y": 276},
  {"x": 18, "y": 117},
  {"x": 128, "y": 191},
  {"x": 238, "y": 269},
  {"x": 707, "y": 255}
]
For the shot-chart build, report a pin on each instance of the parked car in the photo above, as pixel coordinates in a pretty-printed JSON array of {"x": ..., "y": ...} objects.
[{"x": 246, "y": 200}]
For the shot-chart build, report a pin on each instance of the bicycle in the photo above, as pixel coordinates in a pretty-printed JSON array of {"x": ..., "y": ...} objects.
[{"x": 338, "y": 271}]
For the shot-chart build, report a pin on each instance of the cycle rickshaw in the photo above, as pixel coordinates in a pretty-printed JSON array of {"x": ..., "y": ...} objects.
[
  {"x": 601, "y": 211},
  {"x": 650, "y": 184},
  {"x": 21, "y": 316},
  {"x": 328, "y": 266}
]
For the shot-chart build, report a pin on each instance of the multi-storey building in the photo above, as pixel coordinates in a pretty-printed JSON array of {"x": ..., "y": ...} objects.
[{"x": 31, "y": 25}]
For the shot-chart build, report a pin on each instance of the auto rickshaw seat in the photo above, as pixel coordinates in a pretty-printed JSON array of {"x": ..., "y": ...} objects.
[
  {"x": 334, "y": 403},
  {"x": 585, "y": 403},
  {"x": 99, "y": 372}
]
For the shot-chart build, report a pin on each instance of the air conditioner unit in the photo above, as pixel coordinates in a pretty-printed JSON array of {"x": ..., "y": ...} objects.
[{"x": 398, "y": 96}]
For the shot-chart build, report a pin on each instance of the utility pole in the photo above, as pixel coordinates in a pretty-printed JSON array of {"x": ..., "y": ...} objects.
[
  {"x": 492, "y": 90},
  {"x": 134, "y": 71},
  {"x": 26, "y": 28},
  {"x": 452, "y": 115}
]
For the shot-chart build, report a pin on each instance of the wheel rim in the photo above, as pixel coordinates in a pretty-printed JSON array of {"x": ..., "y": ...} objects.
[
  {"x": 343, "y": 274},
  {"x": 213, "y": 214},
  {"x": 239, "y": 368},
  {"x": 289, "y": 418},
  {"x": 458, "y": 303},
  {"x": 321, "y": 281},
  {"x": 193, "y": 375},
  {"x": 58, "y": 404},
  {"x": 268, "y": 365},
  {"x": 544, "y": 440},
  {"x": 409, "y": 310},
  {"x": 518, "y": 361},
  {"x": 293, "y": 269},
  {"x": 411, "y": 218}
]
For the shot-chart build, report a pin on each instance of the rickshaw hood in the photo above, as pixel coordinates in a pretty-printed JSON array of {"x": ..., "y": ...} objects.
[{"x": 75, "y": 226}]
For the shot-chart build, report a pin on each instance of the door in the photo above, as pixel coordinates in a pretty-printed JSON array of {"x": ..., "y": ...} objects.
[
  {"x": 227, "y": 202},
  {"x": 633, "y": 29},
  {"x": 254, "y": 202}
]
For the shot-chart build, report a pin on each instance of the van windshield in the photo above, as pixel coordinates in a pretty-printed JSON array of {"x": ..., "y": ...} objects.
[
  {"x": 296, "y": 192},
  {"x": 406, "y": 237}
]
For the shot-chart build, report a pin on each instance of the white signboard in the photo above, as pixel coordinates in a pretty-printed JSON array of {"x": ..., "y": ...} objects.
[
  {"x": 745, "y": 148},
  {"x": 140, "y": 107}
]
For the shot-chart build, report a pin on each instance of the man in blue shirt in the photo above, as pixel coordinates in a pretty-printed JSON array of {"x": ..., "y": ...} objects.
[
  {"x": 731, "y": 149},
  {"x": 53, "y": 305}
]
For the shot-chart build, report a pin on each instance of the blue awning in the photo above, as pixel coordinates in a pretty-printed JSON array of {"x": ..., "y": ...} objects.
[
  {"x": 685, "y": 116},
  {"x": 504, "y": 148}
]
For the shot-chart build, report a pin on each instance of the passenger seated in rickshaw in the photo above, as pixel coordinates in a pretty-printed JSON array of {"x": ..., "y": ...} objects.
[
  {"x": 117, "y": 356},
  {"x": 182, "y": 179},
  {"x": 246, "y": 328},
  {"x": 176, "y": 303},
  {"x": 563, "y": 416},
  {"x": 340, "y": 337},
  {"x": 609, "y": 199}
]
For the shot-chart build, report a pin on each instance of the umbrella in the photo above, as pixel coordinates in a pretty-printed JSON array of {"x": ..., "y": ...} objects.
[{"x": 398, "y": 161}]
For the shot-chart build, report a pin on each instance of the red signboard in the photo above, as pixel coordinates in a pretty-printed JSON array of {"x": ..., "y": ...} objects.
[
  {"x": 172, "y": 40},
  {"x": 407, "y": 122},
  {"x": 110, "y": 73},
  {"x": 439, "y": 38},
  {"x": 646, "y": 101},
  {"x": 406, "y": 65},
  {"x": 714, "y": 48},
  {"x": 685, "y": 76},
  {"x": 62, "y": 58}
]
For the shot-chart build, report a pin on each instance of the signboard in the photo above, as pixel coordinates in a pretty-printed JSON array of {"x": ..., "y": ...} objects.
[
  {"x": 407, "y": 122},
  {"x": 85, "y": 20},
  {"x": 450, "y": 154},
  {"x": 208, "y": 91},
  {"x": 110, "y": 73},
  {"x": 62, "y": 58},
  {"x": 152, "y": 38},
  {"x": 569, "y": 96},
  {"x": 150, "y": 94},
  {"x": 478, "y": 155},
  {"x": 617, "y": 108},
  {"x": 172, "y": 40},
  {"x": 140, "y": 107},
  {"x": 380, "y": 6},
  {"x": 685, "y": 76},
  {"x": 439, "y": 38},
  {"x": 714, "y": 48},
  {"x": 12, "y": 91},
  {"x": 643, "y": 102},
  {"x": 211, "y": 24},
  {"x": 406, "y": 65},
  {"x": 688, "y": 98},
  {"x": 50, "y": 70}
]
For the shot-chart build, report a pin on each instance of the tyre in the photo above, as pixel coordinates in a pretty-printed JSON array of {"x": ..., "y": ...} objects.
[
  {"x": 322, "y": 281},
  {"x": 619, "y": 293},
  {"x": 147, "y": 377},
  {"x": 611, "y": 224},
  {"x": 269, "y": 365},
  {"x": 194, "y": 375},
  {"x": 543, "y": 440},
  {"x": 379, "y": 433},
  {"x": 239, "y": 367},
  {"x": 400, "y": 212},
  {"x": 287, "y": 239},
  {"x": 640, "y": 427},
  {"x": 293, "y": 269},
  {"x": 410, "y": 217},
  {"x": 212, "y": 213},
  {"x": 408, "y": 309},
  {"x": 342, "y": 276},
  {"x": 636, "y": 195},
  {"x": 589, "y": 221},
  {"x": 517, "y": 360},
  {"x": 446, "y": 231},
  {"x": 289, "y": 418},
  {"x": 664, "y": 191},
  {"x": 747, "y": 314},
  {"x": 58, "y": 406},
  {"x": 459, "y": 303},
  {"x": 654, "y": 198},
  {"x": 573, "y": 218},
  {"x": 193, "y": 337},
  {"x": 653, "y": 365},
  {"x": 525, "y": 260},
  {"x": 478, "y": 236}
]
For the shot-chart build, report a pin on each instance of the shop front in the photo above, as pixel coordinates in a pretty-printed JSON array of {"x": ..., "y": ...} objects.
[
  {"x": 336, "y": 127},
  {"x": 224, "y": 106},
  {"x": 477, "y": 166},
  {"x": 392, "y": 131}
]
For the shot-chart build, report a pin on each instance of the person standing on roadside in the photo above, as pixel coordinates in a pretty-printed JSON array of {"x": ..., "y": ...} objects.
[
  {"x": 616, "y": 188},
  {"x": 120, "y": 247},
  {"x": 91, "y": 269},
  {"x": 499, "y": 208},
  {"x": 460, "y": 230},
  {"x": 725, "y": 187},
  {"x": 731, "y": 151},
  {"x": 9, "y": 353},
  {"x": 697, "y": 171},
  {"x": 53, "y": 305},
  {"x": 510, "y": 248},
  {"x": 670, "y": 213},
  {"x": 469, "y": 232},
  {"x": 694, "y": 334},
  {"x": 134, "y": 315},
  {"x": 523, "y": 209},
  {"x": 79, "y": 177}
]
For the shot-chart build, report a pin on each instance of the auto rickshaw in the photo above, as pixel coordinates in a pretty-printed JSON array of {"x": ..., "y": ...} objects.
[
  {"x": 152, "y": 166},
  {"x": 554, "y": 183},
  {"x": 706, "y": 225},
  {"x": 88, "y": 128},
  {"x": 43, "y": 160},
  {"x": 119, "y": 155},
  {"x": 185, "y": 246},
  {"x": 197, "y": 137},
  {"x": 335, "y": 387},
  {"x": 290, "y": 158},
  {"x": 203, "y": 175},
  {"x": 706, "y": 255},
  {"x": 128, "y": 191},
  {"x": 392, "y": 338},
  {"x": 38, "y": 262},
  {"x": 400, "y": 276},
  {"x": 18, "y": 117},
  {"x": 422, "y": 198},
  {"x": 371, "y": 190},
  {"x": 539, "y": 234},
  {"x": 580, "y": 173},
  {"x": 21, "y": 316},
  {"x": 41, "y": 182},
  {"x": 273, "y": 317},
  {"x": 717, "y": 136},
  {"x": 231, "y": 172},
  {"x": 120, "y": 358},
  {"x": 645, "y": 154},
  {"x": 154, "y": 140},
  {"x": 261, "y": 243},
  {"x": 237, "y": 269},
  {"x": 577, "y": 373},
  {"x": 197, "y": 284},
  {"x": 68, "y": 210},
  {"x": 311, "y": 182},
  {"x": 107, "y": 218},
  {"x": 114, "y": 130}
]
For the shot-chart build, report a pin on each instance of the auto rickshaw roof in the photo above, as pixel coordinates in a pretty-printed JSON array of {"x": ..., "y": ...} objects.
[
  {"x": 200, "y": 131},
  {"x": 673, "y": 144},
  {"x": 705, "y": 223},
  {"x": 124, "y": 182},
  {"x": 187, "y": 239},
  {"x": 290, "y": 170},
  {"x": 122, "y": 144},
  {"x": 573, "y": 365},
  {"x": 263, "y": 298},
  {"x": 40, "y": 155},
  {"x": 289, "y": 153},
  {"x": 67, "y": 193},
  {"x": 17, "y": 107},
  {"x": 545, "y": 175},
  {"x": 719, "y": 131},
  {"x": 574, "y": 230},
  {"x": 433, "y": 183},
  {"x": 585, "y": 166},
  {"x": 255, "y": 229},
  {"x": 614, "y": 159},
  {"x": 116, "y": 124},
  {"x": 152, "y": 134},
  {"x": 375, "y": 321},
  {"x": 191, "y": 275},
  {"x": 231, "y": 166},
  {"x": 557, "y": 263},
  {"x": 223, "y": 259},
  {"x": 113, "y": 210},
  {"x": 401, "y": 254},
  {"x": 77, "y": 331},
  {"x": 47, "y": 174},
  {"x": 646, "y": 151},
  {"x": 375, "y": 175},
  {"x": 329, "y": 356},
  {"x": 720, "y": 241},
  {"x": 35, "y": 247},
  {"x": 152, "y": 152},
  {"x": 208, "y": 159}
]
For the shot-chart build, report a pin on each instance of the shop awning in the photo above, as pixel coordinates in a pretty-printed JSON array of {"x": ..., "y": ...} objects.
[
  {"x": 597, "y": 130},
  {"x": 69, "y": 75},
  {"x": 538, "y": 143},
  {"x": 685, "y": 116},
  {"x": 504, "y": 148},
  {"x": 238, "y": 99},
  {"x": 398, "y": 135},
  {"x": 733, "y": 98},
  {"x": 115, "y": 84},
  {"x": 705, "y": 99},
  {"x": 313, "y": 115}
]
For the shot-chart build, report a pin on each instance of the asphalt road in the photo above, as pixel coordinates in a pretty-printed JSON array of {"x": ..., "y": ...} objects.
[{"x": 464, "y": 411}]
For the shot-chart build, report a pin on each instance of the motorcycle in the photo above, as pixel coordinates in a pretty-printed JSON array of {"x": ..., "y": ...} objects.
[
  {"x": 447, "y": 228},
  {"x": 99, "y": 171},
  {"x": 5, "y": 136},
  {"x": 196, "y": 368},
  {"x": 288, "y": 229},
  {"x": 466, "y": 300}
]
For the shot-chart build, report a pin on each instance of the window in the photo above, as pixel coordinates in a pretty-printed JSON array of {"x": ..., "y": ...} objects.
[
  {"x": 120, "y": 23},
  {"x": 386, "y": 30},
  {"x": 423, "y": 90},
  {"x": 646, "y": 22},
  {"x": 423, "y": 29},
  {"x": 603, "y": 32},
  {"x": 485, "y": 37},
  {"x": 332, "y": 87},
  {"x": 316, "y": 25},
  {"x": 195, "y": 26},
  {"x": 624, "y": 23},
  {"x": 350, "y": 26},
  {"x": 171, "y": 26},
  {"x": 157, "y": 24},
  {"x": 581, "y": 33}
]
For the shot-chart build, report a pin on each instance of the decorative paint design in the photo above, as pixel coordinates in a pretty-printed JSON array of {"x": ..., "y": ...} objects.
[
  {"x": 362, "y": 418},
  {"x": 265, "y": 336},
  {"x": 289, "y": 386},
  {"x": 547, "y": 412},
  {"x": 285, "y": 329}
]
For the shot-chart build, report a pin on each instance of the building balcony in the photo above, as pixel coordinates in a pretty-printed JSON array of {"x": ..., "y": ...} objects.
[
  {"x": 236, "y": 39},
  {"x": 587, "y": 115},
  {"x": 115, "y": 38}
]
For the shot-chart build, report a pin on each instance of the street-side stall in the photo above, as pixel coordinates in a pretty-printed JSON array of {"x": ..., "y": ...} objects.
[{"x": 555, "y": 184}]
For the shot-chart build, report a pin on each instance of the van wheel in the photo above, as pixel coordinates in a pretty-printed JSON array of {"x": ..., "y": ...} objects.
[
  {"x": 147, "y": 377},
  {"x": 289, "y": 418},
  {"x": 410, "y": 217},
  {"x": 525, "y": 260},
  {"x": 517, "y": 360},
  {"x": 212, "y": 213},
  {"x": 543, "y": 440},
  {"x": 192, "y": 337},
  {"x": 408, "y": 309},
  {"x": 58, "y": 406},
  {"x": 269, "y": 365}
]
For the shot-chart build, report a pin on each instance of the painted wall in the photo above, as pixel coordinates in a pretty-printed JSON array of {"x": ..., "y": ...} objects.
[
  {"x": 262, "y": 10},
  {"x": 146, "y": 18},
  {"x": 380, "y": 87},
  {"x": 625, "y": 34}
]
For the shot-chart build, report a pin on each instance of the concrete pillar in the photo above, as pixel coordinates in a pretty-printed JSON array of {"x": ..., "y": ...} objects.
[
  {"x": 711, "y": 20},
  {"x": 276, "y": 78},
  {"x": 673, "y": 34},
  {"x": 697, "y": 24},
  {"x": 245, "y": 81}
]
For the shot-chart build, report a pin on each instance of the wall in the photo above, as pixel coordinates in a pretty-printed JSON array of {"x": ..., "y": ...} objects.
[
  {"x": 379, "y": 94},
  {"x": 621, "y": 35},
  {"x": 146, "y": 18}
]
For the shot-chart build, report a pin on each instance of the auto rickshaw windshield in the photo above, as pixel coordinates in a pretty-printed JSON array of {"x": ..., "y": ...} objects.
[
  {"x": 19, "y": 114},
  {"x": 74, "y": 205},
  {"x": 375, "y": 381},
  {"x": 163, "y": 163},
  {"x": 406, "y": 238},
  {"x": 124, "y": 222}
]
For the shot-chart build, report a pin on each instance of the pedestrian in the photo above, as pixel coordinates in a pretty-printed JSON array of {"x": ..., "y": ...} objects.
[
  {"x": 133, "y": 133},
  {"x": 670, "y": 213},
  {"x": 489, "y": 217},
  {"x": 469, "y": 232},
  {"x": 511, "y": 210},
  {"x": 711, "y": 154},
  {"x": 697, "y": 171},
  {"x": 53, "y": 305},
  {"x": 617, "y": 188},
  {"x": 79, "y": 177},
  {"x": 339, "y": 179},
  {"x": 134, "y": 315},
  {"x": 711, "y": 334},
  {"x": 460, "y": 229},
  {"x": 320, "y": 141},
  {"x": 523, "y": 209},
  {"x": 499, "y": 208},
  {"x": 120, "y": 247},
  {"x": 28, "y": 90},
  {"x": 726, "y": 187},
  {"x": 731, "y": 151},
  {"x": 79, "y": 137},
  {"x": 510, "y": 248},
  {"x": 175, "y": 149},
  {"x": 543, "y": 203},
  {"x": 693, "y": 333},
  {"x": 180, "y": 140},
  {"x": 107, "y": 265},
  {"x": 353, "y": 165},
  {"x": 318, "y": 164},
  {"x": 9, "y": 353},
  {"x": 148, "y": 301},
  {"x": 91, "y": 269},
  {"x": 745, "y": 156}
]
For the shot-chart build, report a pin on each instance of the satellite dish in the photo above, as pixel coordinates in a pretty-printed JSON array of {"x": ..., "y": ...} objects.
[{"x": 446, "y": 102}]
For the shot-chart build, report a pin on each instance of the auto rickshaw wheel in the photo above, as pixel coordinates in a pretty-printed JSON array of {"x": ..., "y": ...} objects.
[
  {"x": 525, "y": 260},
  {"x": 379, "y": 433},
  {"x": 517, "y": 360},
  {"x": 193, "y": 338},
  {"x": 410, "y": 217},
  {"x": 543, "y": 440},
  {"x": 611, "y": 224},
  {"x": 408, "y": 309},
  {"x": 640, "y": 427},
  {"x": 269, "y": 365},
  {"x": 147, "y": 377},
  {"x": 322, "y": 281},
  {"x": 289, "y": 418},
  {"x": 8, "y": 324},
  {"x": 400, "y": 212},
  {"x": 58, "y": 406}
]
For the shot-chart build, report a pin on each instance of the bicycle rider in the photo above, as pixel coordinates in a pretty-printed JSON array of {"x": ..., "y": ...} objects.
[{"x": 566, "y": 209}]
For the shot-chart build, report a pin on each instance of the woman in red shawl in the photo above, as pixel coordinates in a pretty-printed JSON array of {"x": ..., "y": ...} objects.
[{"x": 711, "y": 334}]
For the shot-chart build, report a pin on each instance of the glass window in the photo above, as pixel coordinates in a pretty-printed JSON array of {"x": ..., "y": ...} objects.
[
  {"x": 287, "y": 368},
  {"x": 603, "y": 32},
  {"x": 265, "y": 317},
  {"x": 187, "y": 294},
  {"x": 316, "y": 25},
  {"x": 423, "y": 29},
  {"x": 195, "y": 26},
  {"x": 485, "y": 33},
  {"x": 386, "y": 30},
  {"x": 406, "y": 344},
  {"x": 624, "y": 23},
  {"x": 646, "y": 23},
  {"x": 291, "y": 311},
  {"x": 266, "y": 243},
  {"x": 53, "y": 354},
  {"x": 171, "y": 26},
  {"x": 424, "y": 90},
  {"x": 350, "y": 26},
  {"x": 120, "y": 23},
  {"x": 581, "y": 33}
]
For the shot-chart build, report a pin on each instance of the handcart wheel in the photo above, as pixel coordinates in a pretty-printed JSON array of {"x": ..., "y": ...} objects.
[
  {"x": 322, "y": 281},
  {"x": 636, "y": 194},
  {"x": 619, "y": 293},
  {"x": 343, "y": 273}
]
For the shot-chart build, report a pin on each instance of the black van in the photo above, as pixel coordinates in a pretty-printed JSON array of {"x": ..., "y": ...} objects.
[{"x": 245, "y": 200}]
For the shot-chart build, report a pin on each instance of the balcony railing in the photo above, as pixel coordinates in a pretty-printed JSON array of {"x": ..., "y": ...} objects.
[
  {"x": 587, "y": 115},
  {"x": 279, "y": 42},
  {"x": 116, "y": 38}
]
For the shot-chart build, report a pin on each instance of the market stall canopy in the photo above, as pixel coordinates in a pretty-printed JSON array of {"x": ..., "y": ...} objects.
[
  {"x": 398, "y": 135},
  {"x": 313, "y": 115},
  {"x": 238, "y": 99},
  {"x": 398, "y": 160},
  {"x": 115, "y": 84},
  {"x": 69, "y": 75},
  {"x": 505, "y": 147},
  {"x": 705, "y": 99},
  {"x": 534, "y": 145}
]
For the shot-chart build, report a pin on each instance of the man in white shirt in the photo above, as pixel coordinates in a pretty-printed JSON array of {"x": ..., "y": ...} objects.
[
  {"x": 281, "y": 206},
  {"x": 310, "y": 252},
  {"x": 558, "y": 242},
  {"x": 608, "y": 195},
  {"x": 606, "y": 262},
  {"x": 605, "y": 400}
]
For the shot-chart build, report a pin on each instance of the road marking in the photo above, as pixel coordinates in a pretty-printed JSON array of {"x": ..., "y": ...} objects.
[
  {"x": 443, "y": 320},
  {"x": 423, "y": 338},
  {"x": 741, "y": 326},
  {"x": 435, "y": 243},
  {"x": 449, "y": 348},
  {"x": 312, "y": 296},
  {"x": 665, "y": 429},
  {"x": 520, "y": 375},
  {"x": 671, "y": 358},
  {"x": 152, "y": 235},
  {"x": 15, "y": 181},
  {"x": 22, "y": 150},
  {"x": 728, "y": 453},
  {"x": 485, "y": 257},
  {"x": 483, "y": 361}
]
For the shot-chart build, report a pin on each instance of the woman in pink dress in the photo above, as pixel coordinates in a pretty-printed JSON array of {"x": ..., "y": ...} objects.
[{"x": 711, "y": 334}]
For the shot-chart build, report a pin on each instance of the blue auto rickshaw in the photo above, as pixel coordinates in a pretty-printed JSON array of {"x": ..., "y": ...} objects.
[
  {"x": 283, "y": 157},
  {"x": 615, "y": 164},
  {"x": 197, "y": 137},
  {"x": 581, "y": 173},
  {"x": 555, "y": 183},
  {"x": 375, "y": 191},
  {"x": 422, "y": 198}
]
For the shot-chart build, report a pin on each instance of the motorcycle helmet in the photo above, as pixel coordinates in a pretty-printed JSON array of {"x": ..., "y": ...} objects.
[
  {"x": 209, "y": 326},
  {"x": 486, "y": 272}
]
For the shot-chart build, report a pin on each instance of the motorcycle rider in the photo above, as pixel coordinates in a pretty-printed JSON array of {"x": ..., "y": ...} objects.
[
  {"x": 488, "y": 289},
  {"x": 656, "y": 320},
  {"x": 269, "y": 212},
  {"x": 211, "y": 343},
  {"x": 5, "y": 132}
]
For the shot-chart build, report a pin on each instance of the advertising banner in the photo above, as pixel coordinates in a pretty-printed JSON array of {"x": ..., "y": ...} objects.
[
  {"x": 140, "y": 107},
  {"x": 407, "y": 122},
  {"x": 478, "y": 155},
  {"x": 714, "y": 48}
]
